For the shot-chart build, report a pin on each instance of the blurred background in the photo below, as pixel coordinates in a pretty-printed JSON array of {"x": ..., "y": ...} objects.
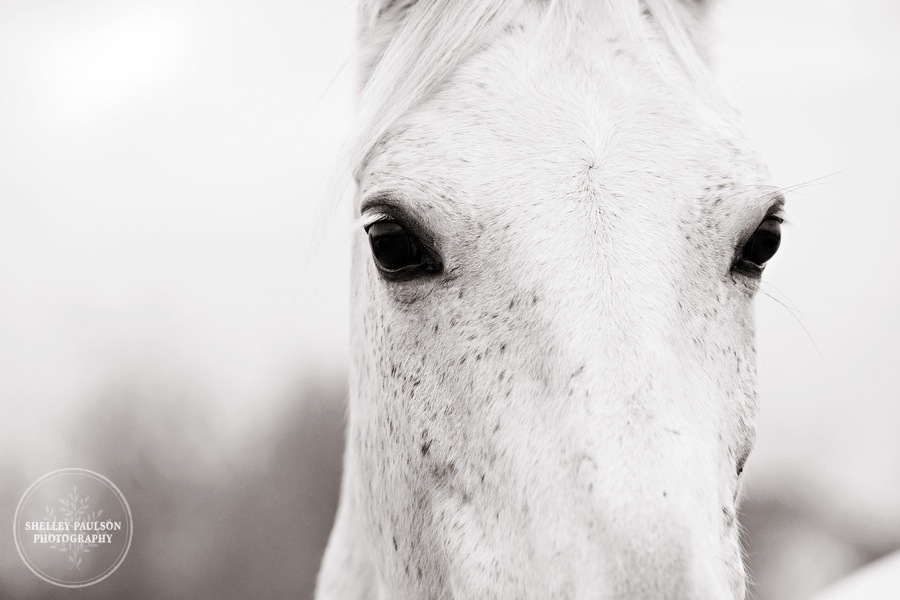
[{"x": 173, "y": 296}]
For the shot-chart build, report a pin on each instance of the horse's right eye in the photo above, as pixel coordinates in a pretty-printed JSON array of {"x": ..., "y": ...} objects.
[
  {"x": 398, "y": 254},
  {"x": 764, "y": 242},
  {"x": 760, "y": 247}
]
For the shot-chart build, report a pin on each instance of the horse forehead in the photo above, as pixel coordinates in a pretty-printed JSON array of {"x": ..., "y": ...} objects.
[
  {"x": 488, "y": 138},
  {"x": 523, "y": 110}
]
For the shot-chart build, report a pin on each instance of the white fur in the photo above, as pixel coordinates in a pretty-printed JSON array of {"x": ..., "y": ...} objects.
[{"x": 559, "y": 414}]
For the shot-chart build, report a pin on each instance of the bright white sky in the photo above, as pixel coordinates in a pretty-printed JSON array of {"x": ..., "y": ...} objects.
[{"x": 161, "y": 164}]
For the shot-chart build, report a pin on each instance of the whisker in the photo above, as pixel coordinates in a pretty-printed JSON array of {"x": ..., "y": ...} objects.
[
  {"x": 789, "y": 189},
  {"x": 341, "y": 14},
  {"x": 793, "y": 306},
  {"x": 744, "y": 536},
  {"x": 799, "y": 322},
  {"x": 334, "y": 78}
]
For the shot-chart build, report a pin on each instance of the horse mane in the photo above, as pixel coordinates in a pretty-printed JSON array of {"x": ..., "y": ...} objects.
[{"x": 433, "y": 37}]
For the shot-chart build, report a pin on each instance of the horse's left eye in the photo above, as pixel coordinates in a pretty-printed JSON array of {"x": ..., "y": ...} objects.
[
  {"x": 761, "y": 246},
  {"x": 398, "y": 254}
]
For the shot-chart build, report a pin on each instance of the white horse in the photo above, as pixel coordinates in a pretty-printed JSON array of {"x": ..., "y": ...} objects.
[{"x": 562, "y": 229}]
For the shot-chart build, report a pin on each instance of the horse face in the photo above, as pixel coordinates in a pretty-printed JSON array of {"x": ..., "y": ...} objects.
[{"x": 553, "y": 390}]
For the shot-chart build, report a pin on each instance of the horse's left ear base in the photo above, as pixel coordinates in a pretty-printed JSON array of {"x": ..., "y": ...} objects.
[
  {"x": 378, "y": 22},
  {"x": 696, "y": 19},
  {"x": 372, "y": 12},
  {"x": 698, "y": 4}
]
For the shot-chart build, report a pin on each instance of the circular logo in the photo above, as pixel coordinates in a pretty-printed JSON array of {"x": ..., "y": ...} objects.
[{"x": 73, "y": 527}]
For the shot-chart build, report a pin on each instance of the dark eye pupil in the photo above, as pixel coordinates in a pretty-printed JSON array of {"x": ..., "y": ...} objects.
[
  {"x": 764, "y": 242},
  {"x": 392, "y": 247}
]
